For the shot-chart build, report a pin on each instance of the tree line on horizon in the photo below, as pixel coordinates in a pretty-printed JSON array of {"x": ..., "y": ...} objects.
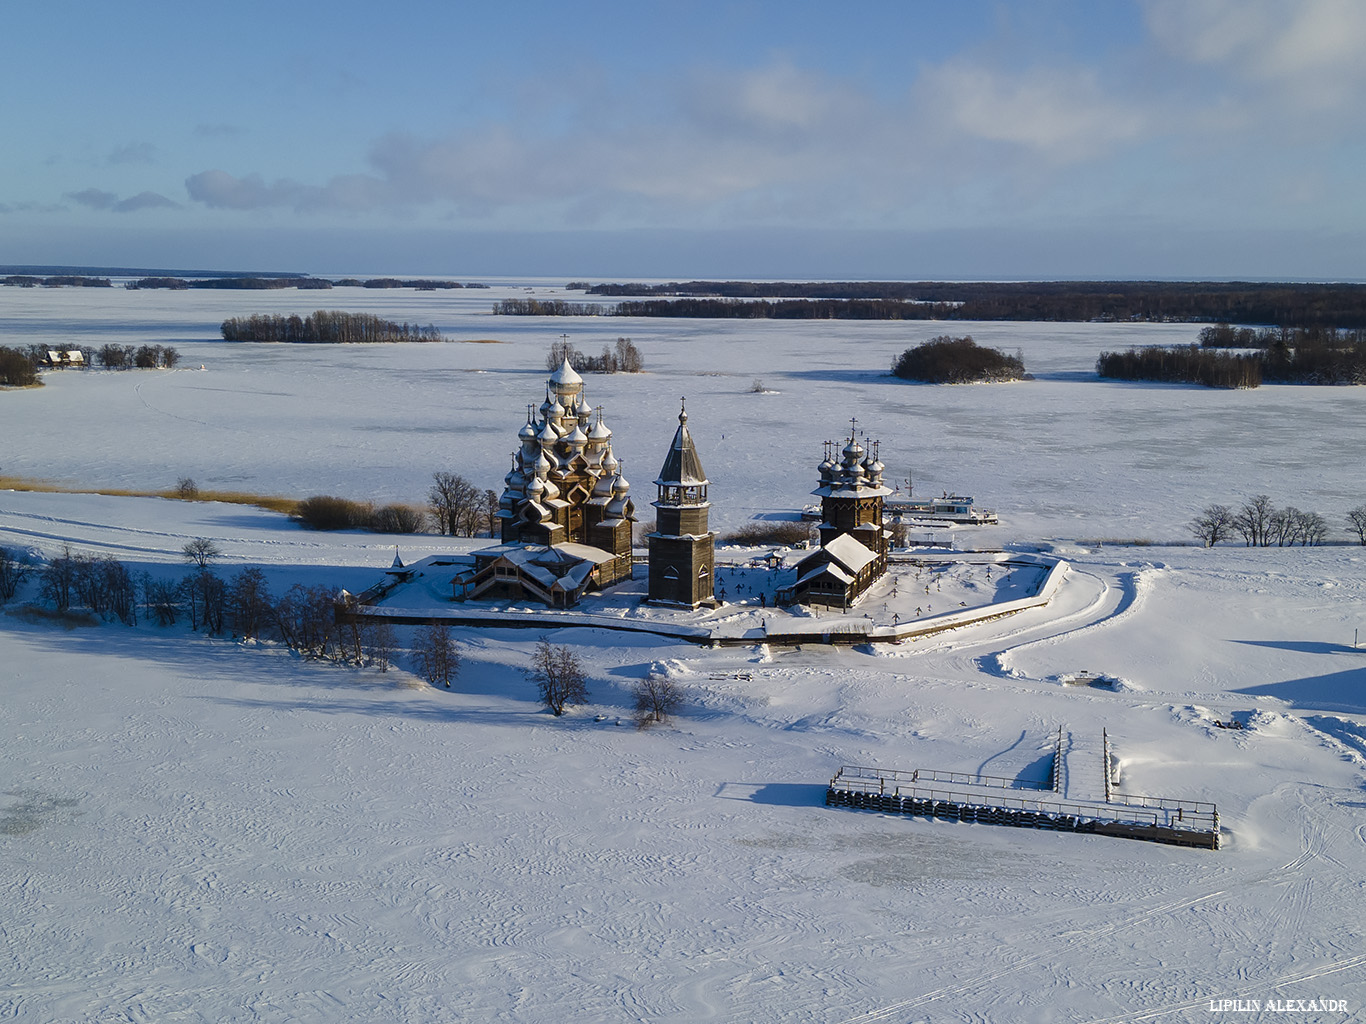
[
  {"x": 55, "y": 281},
  {"x": 1282, "y": 304}
]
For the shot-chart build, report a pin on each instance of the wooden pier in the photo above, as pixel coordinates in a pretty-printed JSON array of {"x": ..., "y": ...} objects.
[{"x": 992, "y": 800}]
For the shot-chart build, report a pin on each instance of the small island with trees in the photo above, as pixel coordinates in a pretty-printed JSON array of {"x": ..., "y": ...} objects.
[
  {"x": 325, "y": 327},
  {"x": 949, "y": 360}
]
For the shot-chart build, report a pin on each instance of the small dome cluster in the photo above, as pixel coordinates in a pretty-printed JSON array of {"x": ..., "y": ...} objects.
[{"x": 857, "y": 471}]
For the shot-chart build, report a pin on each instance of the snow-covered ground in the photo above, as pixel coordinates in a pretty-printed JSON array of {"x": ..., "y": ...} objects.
[{"x": 197, "y": 829}]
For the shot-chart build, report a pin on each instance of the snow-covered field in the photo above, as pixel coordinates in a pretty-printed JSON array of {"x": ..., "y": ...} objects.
[{"x": 196, "y": 829}]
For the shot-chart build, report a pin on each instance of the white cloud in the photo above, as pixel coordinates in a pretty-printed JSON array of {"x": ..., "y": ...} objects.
[
  {"x": 1308, "y": 50},
  {"x": 1063, "y": 116}
]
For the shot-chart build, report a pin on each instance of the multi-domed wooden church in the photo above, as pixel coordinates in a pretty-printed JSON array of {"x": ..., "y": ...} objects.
[{"x": 566, "y": 513}]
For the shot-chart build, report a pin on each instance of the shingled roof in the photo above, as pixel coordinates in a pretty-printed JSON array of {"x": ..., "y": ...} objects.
[{"x": 682, "y": 467}]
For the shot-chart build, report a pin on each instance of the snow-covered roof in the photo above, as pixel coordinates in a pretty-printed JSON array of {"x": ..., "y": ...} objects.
[
  {"x": 827, "y": 569},
  {"x": 849, "y": 553},
  {"x": 587, "y": 552}
]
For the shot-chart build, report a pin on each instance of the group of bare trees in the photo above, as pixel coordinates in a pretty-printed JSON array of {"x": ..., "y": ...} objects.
[
  {"x": 14, "y": 569},
  {"x": 459, "y": 508},
  {"x": 624, "y": 357},
  {"x": 104, "y": 586},
  {"x": 455, "y": 506},
  {"x": 1261, "y": 524},
  {"x": 313, "y": 621},
  {"x": 561, "y": 680},
  {"x": 143, "y": 357}
]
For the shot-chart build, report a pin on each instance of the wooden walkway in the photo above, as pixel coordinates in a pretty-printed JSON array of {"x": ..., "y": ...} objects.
[{"x": 1058, "y": 805}]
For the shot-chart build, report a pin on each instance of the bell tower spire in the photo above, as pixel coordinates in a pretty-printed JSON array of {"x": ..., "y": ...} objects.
[{"x": 682, "y": 557}]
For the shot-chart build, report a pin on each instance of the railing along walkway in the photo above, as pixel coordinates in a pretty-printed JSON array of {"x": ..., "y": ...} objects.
[{"x": 997, "y": 800}]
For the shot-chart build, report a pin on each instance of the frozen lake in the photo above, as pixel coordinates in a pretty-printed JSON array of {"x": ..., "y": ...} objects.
[
  {"x": 197, "y": 829},
  {"x": 1064, "y": 455}
]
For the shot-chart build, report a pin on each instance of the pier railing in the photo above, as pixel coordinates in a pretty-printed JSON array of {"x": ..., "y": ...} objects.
[{"x": 995, "y": 800}]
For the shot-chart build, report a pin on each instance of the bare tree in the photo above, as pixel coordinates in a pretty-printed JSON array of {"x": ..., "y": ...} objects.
[
  {"x": 354, "y": 639},
  {"x": 491, "y": 511},
  {"x": 1285, "y": 526},
  {"x": 1356, "y": 519},
  {"x": 1313, "y": 529},
  {"x": 627, "y": 357},
  {"x": 119, "y": 590},
  {"x": 306, "y": 619},
  {"x": 162, "y": 597},
  {"x": 1212, "y": 525},
  {"x": 249, "y": 602},
  {"x": 13, "y": 572},
  {"x": 206, "y": 599},
  {"x": 186, "y": 488},
  {"x": 436, "y": 655},
  {"x": 1254, "y": 519},
  {"x": 559, "y": 676},
  {"x": 201, "y": 551},
  {"x": 560, "y": 350},
  {"x": 380, "y": 642},
  {"x": 456, "y": 504},
  {"x": 57, "y": 580},
  {"x": 656, "y": 697}
]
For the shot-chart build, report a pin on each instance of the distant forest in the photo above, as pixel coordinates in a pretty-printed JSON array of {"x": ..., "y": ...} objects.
[
  {"x": 421, "y": 284},
  {"x": 56, "y": 281},
  {"x": 1288, "y": 305},
  {"x": 234, "y": 283},
  {"x": 228, "y": 281},
  {"x": 1302, "y": 356},
  {"x": 325, "y": 328}
]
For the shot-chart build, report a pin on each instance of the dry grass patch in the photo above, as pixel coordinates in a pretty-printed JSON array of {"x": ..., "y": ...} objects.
[{"x": 270, "y": 502}]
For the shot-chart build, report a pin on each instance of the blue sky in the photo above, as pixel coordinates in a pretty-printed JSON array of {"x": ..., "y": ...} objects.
[{"x": 1167, "y": 138}]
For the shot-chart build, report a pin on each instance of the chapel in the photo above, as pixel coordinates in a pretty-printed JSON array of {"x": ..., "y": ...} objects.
[{"x": 854, "y": 543}]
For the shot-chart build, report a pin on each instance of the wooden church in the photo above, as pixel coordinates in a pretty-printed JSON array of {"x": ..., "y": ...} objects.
[
  {"x": 565, "y": 514},
  {"x": 854, "y": 543}
]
